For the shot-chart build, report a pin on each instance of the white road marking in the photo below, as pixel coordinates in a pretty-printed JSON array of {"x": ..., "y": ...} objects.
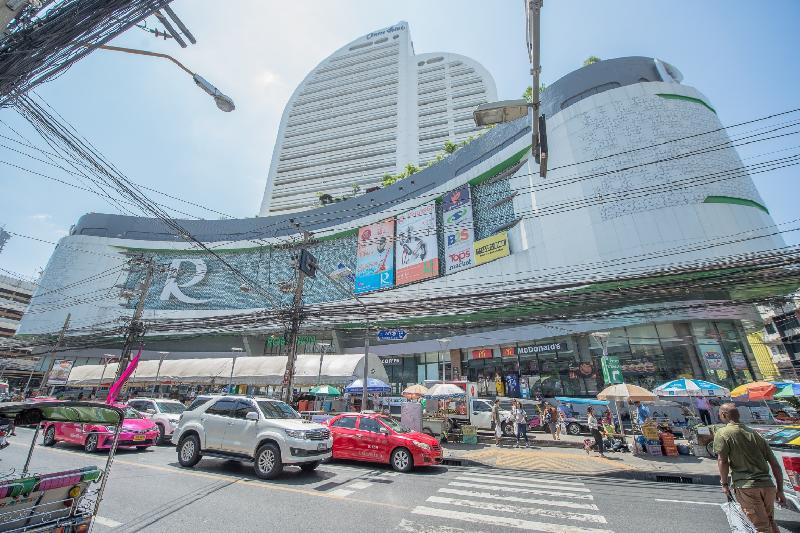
[
  {"x": 506, "y": 488},
  {"x": 534, "y": 484},
  {"x": 530, "y": 479},
  {"x": 510, "y": 509},
  {"x": 517, "y": 499},
  {"x": 416, "y": 527},
  {"x": 340, "y": 492},
  {"x": 103, "y": 521},
  {"x": 688, "y": 501},
  {"x": 358, "y": 485},
  {"x": 505, "y": 521}
]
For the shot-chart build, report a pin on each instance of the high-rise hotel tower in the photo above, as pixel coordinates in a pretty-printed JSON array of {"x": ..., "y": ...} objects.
[{"x": 369, "y": 109}]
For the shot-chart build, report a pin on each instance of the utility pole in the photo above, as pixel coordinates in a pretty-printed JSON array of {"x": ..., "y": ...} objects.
[
  {"x": 55, "y": 347},
  {"x": 294, "y": 328},
  {"x": 136, "y": 326},
  {"x": 533, "y": 11}
]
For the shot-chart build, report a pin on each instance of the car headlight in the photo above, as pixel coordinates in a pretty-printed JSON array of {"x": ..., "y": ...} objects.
[
  {"x": 423, "y": 445},
  {"x": 296, "y": 433}
]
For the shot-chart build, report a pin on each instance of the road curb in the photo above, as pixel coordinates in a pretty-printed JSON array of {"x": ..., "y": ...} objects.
[{"x": 657, "y": 477}]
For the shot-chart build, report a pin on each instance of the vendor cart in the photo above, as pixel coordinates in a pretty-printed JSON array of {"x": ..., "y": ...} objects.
[{"x": 62, "y": 501}]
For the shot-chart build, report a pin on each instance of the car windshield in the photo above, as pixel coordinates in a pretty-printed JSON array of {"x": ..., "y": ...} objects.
[
  {"x": 277, "y": 410},
  {"x": 130, "y": 412},
  {"x": 171, "y": 408},
  {"x": 396, "y": 426}
]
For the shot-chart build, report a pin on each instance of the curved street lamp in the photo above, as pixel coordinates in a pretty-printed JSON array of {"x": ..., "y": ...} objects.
[{"x": 224, "y": 102}]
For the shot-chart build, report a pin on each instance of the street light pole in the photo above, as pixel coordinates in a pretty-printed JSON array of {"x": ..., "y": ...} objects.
[
  {"x": 533, "y": 9},
  {"x": 158, "y": 371},
  {"x": 366, "y": 334},
  {"x": 224, "y": 102},
  {"x": 235, "y": 351}
]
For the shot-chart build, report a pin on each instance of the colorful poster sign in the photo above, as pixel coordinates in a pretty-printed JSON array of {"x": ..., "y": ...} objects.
[
  {"x": 712, "y": 355},
  {"x": 459, "y": 235},
  {"x": 60, "y": 372},
  {"x": 508, "y": 351},
  {"x": 416, "y": 246},
  {"x": 375, "y": 257},
  {"x": 491, "y": 248}
]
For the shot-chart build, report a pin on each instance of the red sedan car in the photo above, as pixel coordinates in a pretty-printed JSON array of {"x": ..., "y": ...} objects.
[
  {"x": 381, "y": 439},
  {"x": 136, "y": 431}
]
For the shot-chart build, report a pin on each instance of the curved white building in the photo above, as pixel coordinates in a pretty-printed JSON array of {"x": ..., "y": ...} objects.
[
  {"x": 369, "y": 109},
  {"x": 635, "y": 231}
]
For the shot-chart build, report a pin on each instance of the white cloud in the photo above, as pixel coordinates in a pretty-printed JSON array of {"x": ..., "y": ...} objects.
[
  {"x": 267, "y": 78},
  {"x": 40, "y": 217}
]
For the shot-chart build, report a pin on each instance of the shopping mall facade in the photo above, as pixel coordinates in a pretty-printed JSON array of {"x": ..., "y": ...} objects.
[{"x": 622, "y": 198}]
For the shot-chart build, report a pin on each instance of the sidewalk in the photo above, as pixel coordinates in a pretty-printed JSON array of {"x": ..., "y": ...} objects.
[{"x": 541, "y": 457}]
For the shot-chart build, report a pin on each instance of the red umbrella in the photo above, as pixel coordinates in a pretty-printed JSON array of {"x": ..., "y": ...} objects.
[{"x": 757, "y": 390}]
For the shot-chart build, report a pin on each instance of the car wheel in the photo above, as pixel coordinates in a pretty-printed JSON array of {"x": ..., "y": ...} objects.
[
  {"x": 49, "y": 438},
  {"x": 574, "y": 428},
  {"x": 309, "y": 467},
  {"x": 189, "y": 451},
  {"x": 90, "y": 446},
  {"x": 160, "y": 438},
  {"x": 402, "y": 460},
  {"x": 508, "y": 429},
  {"x": 268, "y": 463}
]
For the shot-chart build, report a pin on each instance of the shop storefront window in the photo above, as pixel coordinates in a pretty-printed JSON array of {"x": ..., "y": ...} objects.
[
  {"x": 735, "y": 351},
  {"x": 712, "y": 355}
]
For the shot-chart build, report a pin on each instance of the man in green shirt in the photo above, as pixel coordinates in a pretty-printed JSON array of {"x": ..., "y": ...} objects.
[{"x": 748, "y": 458}]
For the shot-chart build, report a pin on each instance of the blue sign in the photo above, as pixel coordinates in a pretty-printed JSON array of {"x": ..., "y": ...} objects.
[{"x": 392, "y": 334}]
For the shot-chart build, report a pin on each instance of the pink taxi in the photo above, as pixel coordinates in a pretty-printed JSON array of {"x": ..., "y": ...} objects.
[{"x": 136, "y": 431}]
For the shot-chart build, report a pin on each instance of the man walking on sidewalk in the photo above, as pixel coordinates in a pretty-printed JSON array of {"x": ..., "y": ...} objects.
[{"x": 748, "y": 458}]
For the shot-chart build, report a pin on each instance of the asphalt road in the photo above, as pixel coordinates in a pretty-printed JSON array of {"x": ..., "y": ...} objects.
[{"x": 148, "y": 491}]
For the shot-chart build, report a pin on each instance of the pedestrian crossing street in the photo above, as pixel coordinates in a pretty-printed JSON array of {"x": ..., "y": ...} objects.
[{"x": 488, "y": 500}]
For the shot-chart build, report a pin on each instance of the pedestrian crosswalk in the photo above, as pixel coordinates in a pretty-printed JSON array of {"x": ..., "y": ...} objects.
[{"x": 492, "y": 501}]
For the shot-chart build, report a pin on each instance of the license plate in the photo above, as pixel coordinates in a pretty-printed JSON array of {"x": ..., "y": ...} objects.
[
  {"x": 138, "y": 437},
  {"x": 322, "y": 447}
]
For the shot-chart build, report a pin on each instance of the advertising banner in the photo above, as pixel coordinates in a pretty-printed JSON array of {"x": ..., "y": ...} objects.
[
  {"x": 459, "y": 235},
  {"x": 375, "y": 257},
  {"x": 416, "y": 246},
  {"x": 483, "y": 353},
  {"x": 60, "y": 372},
  {"x": 491, "y": 248}
]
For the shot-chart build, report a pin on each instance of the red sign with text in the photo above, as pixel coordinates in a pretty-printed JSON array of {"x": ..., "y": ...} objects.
[
  {"x": 508, "y": 351},
  {"x": 483, "y": 353}
]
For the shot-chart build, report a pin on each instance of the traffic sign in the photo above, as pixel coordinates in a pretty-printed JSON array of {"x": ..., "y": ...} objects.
[
  {"x": 612, "y": 370},
  {"x": 392, "y": 334}
]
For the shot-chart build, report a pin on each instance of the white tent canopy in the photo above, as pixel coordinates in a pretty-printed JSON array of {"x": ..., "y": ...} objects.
[{"x": 336, "y": 370}]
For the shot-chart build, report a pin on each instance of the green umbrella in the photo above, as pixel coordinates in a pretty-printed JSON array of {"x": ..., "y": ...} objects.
[
  {"x": 325, "y": 390},
  {"x": 789, "y": 391}
]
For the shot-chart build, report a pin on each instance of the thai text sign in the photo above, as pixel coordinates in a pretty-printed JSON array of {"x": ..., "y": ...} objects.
[
  {"x": 375, "y": 257},
  {"x": 491, "y": 248},
  {"x": 416, "y": 246},
  {"x": 612, "y": 371}
]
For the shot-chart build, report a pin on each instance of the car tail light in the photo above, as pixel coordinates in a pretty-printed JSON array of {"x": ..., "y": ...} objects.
[{"x": 792, "y": 466}]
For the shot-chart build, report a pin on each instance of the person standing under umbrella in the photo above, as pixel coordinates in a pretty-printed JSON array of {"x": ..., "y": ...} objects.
[{"x": 703, "y": 407}]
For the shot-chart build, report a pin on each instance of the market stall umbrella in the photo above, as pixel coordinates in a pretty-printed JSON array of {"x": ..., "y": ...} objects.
[
  {"x": 757, "y": 390},
  {"x": 625, "y": 392},
  {"x": 373, "y": 385},
  {"x": 415, "y": 391},
  {"x": 325, "y": 390},
  {"x": 691, "y": 387},
  {"x": 789, "y": 390},
  {"x": 445, "y": 391}
]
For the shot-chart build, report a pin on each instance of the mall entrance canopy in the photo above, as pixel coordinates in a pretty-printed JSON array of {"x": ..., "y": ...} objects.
[{"x": 337, "y": 369}]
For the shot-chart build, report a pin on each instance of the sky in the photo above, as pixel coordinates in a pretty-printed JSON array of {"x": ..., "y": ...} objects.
[{"x": 148, "y": 118}]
